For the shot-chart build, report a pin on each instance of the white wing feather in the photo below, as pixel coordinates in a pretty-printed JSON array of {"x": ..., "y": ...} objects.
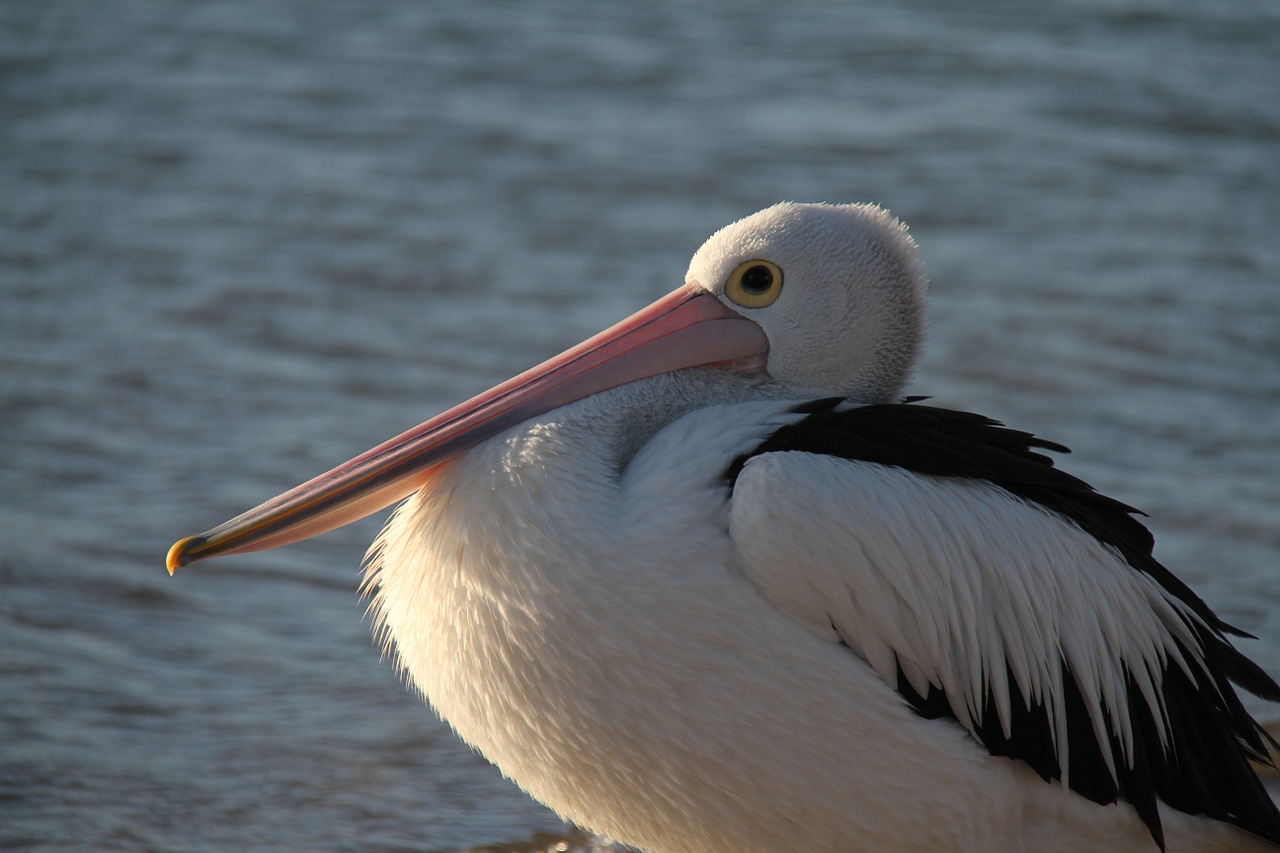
[{"x": 962, "y": 585}]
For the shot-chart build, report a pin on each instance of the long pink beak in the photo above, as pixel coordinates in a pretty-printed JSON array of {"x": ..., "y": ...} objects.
[{"x": 687, "y": 328}]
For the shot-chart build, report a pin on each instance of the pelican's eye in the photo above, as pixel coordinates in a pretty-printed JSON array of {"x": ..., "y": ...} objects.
[{"x": 754, "y": 284}]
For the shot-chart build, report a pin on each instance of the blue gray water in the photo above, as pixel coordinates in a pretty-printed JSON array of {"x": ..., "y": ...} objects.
[{"x": 240, "y": 242}]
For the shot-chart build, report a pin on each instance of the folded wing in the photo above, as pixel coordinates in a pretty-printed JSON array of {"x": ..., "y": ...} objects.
[{"x": 988, "y": 587}]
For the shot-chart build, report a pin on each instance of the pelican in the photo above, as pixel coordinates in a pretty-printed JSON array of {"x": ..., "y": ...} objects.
[{"x": 709, "y": 583}]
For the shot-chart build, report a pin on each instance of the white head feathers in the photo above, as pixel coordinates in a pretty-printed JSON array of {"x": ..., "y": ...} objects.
[{"x": 849, "y": 319}]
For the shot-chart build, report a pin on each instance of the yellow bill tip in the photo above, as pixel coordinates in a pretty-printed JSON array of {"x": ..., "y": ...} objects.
[{"x": 179, "y": 554}]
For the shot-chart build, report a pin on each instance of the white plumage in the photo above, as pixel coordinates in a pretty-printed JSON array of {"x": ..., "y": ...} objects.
[
  {"x": 686, "y": 604},
  {"x": 954, "y": 582}
]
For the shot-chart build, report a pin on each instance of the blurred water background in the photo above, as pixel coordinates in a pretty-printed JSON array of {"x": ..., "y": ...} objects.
[{"x": 240, "y": 242}]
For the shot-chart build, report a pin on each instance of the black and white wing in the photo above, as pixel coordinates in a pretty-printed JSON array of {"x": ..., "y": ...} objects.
[{"x": 989, "y": 587}]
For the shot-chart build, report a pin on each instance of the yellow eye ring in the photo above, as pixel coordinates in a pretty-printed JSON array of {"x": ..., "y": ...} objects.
[{"x": 754, "y": 284}]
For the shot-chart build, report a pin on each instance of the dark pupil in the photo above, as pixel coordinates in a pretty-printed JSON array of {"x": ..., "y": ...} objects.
[{"x": 758, "y": 279}]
